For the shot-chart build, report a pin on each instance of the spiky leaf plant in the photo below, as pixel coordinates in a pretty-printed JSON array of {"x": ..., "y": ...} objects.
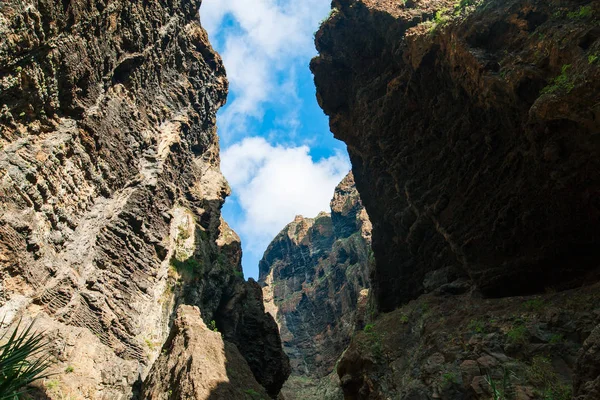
[{"x": 24, "y": 358}]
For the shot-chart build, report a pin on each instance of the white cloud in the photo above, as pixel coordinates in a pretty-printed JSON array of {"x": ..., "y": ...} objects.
[
  {"x": 273, "y": 184},
  {"x": 266, "y": 40},
  {"x": 265, "y": 44}
]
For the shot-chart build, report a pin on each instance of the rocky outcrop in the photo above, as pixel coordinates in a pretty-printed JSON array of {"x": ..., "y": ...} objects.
[
  {"x": 110, "y": 189},
  {"x": 471, "y": 130},
  {"x": 453, "y": 347},
  {"x": 196, "y": 363},
  {"x": 314, "y": 277}
]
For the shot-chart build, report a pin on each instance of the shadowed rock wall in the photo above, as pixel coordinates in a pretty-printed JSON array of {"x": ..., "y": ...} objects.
[
  {"x": 473, "y": 131},
  {"x": 472, "y": 138}
]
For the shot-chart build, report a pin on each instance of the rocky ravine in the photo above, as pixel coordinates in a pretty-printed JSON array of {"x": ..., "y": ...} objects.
[
  {"x": 110, "y": 191},
  {"x": 315, "y": 283},
  {"x": 473, "y": 131}
]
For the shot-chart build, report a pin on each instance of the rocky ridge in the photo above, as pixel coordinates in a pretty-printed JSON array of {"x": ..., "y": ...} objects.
[
  {"x": 315, "y": 283},
  {"x": 472, "y": 129},
  {"x": 110, "y": 191}
]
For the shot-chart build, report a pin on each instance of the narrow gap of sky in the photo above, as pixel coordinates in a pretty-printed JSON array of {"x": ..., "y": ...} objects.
[{"x": 276, "y": 149}]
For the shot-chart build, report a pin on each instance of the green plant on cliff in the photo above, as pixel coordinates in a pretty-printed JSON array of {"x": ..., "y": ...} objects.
[
  {"x": 535, "y": 305},
  {"x": 548, "y": 384},
  {"x": 368, "y": 328},
  {"x": 563, "y": 82},
  {"x": 441, "y": 17},
  {"x": 190, "y": 266},
  {"x": 373, "y": 340},
  {"x": 461, "y": 5},
  {"x": 24, "y": 358},
  {"x": 581, "y": 13},
  {"x": 501, "y": 389},
  {"x": 518, "y": 334},
  {"x": 332, "y": 13},
  {"x": 592, "y": 58},
  {"x": 476, "y": 326}
]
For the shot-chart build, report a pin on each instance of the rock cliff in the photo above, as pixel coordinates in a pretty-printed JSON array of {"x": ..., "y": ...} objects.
[
  {"x": 110, "y": 190},
  {"x": 472, "y": 130},
  {"x": 315, "y": 282},
  {"x": 472, "y": 127},
  {"x": 198, "y": 364}
]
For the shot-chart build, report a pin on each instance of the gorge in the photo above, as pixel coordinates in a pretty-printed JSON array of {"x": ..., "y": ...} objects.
[{"x": 459, "y": 259}]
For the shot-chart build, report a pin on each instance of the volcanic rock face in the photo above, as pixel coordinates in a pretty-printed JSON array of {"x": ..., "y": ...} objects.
[
  {"x": 473, "y": 130},
  {"x": 198, "y": 364},
  {"x": 315, "y": 282},
  {"x": 110, "y": 189},
  {"x": 473, "y": 138}
]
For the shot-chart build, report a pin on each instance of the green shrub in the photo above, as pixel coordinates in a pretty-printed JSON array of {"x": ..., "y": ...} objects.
[
  {"x": 190, "y": 266},
  {"x": 213, "y": 326},
  {"x": 561, "y": 83},
  {"x": 254, "y": 395},
  {"x": 582, "y": 13},
  {"x": 449, "y": 378},
  {"x": 534, "y": 305},
  {"x": 441, "y": 18},
  {"x": 476, "y": 326},
  {"x": 518, "y": 334},
  {"x": 24, "y": 358},
  {"x": 556, "y": 338},
  {"x": 462, "y": 4},
  {"x": 369, "y": 328},
  {"x": 547, "y": 382}
]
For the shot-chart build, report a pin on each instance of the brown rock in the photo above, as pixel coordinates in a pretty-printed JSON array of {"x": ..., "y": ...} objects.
[
  {"x": 587, "y": 374},
  {"x": 110, "y": 188},
  {"x": 469, "y": 370},
  {"x": 197, "y": 364}
]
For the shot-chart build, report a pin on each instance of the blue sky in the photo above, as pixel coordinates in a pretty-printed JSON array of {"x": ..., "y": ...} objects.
[{"x": 276, "y": 149}]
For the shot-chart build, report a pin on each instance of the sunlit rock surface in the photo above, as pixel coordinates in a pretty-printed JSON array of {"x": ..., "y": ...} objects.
[{"x": 110, "y": 190}]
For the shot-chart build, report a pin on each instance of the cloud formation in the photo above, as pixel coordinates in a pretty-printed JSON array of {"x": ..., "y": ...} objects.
[
  {"x": 272, "y": 184},
  {"x": 261, "y": 42},
  {"x": 271, "y": 118}
]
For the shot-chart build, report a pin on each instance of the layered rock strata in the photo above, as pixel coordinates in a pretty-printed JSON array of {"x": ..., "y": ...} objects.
[
  {"x": 315, "y": 282},
  {"x": 110, "y": 190},
  {"x": 198, "y": 364}
]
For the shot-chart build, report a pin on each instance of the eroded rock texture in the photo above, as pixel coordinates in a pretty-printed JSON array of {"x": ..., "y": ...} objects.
[
  {"x": 473, "y": 139},
  {"x": 198, "y": 364},
  {"x": 464, "y": 347},
  {"x": 315, "y": 278},
  {"x": 473, "y": 131},
  {"x": 110, "y": 189}
]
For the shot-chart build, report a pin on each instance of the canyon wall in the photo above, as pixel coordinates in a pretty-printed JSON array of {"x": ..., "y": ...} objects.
[
  {"x": 315, "y": 283},
  {"x": 472, "y": 136},
  {"x": 110, "y": 191},
  {"x": 472, "y": 127}
]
